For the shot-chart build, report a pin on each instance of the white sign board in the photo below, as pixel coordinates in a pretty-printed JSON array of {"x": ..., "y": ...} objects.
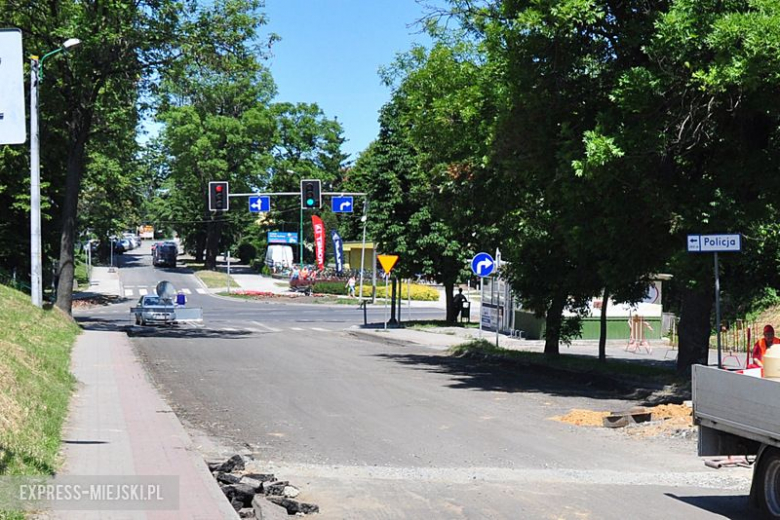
[
  {"x": 13, "y": 125},
  {"x": 714, "y": 243}
]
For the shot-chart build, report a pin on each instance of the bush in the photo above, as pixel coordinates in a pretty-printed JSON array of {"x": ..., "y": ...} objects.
[{"x": 246, "y": 252}]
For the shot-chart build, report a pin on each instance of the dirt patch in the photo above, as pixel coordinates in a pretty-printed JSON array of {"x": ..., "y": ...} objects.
[
  {"x": 667, "y": 419},
  {"x": 95, "y": 300}
]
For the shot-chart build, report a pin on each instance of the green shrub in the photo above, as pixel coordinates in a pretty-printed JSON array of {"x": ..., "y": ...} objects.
[
  {"x": 246, "y": 252},
  {"x": 331, "y": 287}
]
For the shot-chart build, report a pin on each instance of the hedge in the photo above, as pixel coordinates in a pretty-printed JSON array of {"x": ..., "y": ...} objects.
[{"x": 419, "y": 292}]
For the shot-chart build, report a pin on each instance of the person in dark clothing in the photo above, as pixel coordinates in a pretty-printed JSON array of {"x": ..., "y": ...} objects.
[{"x": 457, "y": 303}]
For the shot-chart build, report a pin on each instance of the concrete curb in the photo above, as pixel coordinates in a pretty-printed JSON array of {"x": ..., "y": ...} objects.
[{"x": 377, "y": 337}]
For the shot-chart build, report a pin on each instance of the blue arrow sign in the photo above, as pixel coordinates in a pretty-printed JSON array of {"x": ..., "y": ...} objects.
[
  {"x": 259, "y": 203},
  {"x": 342, "y": 204},
  {"x": 482, "y": 264}
]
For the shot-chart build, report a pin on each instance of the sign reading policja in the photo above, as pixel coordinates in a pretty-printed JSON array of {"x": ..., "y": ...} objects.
[
  {"x": 12, "y": 116},
  {"x": 714, "y": 243}
]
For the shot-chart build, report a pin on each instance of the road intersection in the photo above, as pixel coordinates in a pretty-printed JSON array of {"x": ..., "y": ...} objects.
[{"x": 397, "y": 430}]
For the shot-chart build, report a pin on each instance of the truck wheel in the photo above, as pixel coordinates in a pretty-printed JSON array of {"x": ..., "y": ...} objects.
[{"x": 768, "y": 477}]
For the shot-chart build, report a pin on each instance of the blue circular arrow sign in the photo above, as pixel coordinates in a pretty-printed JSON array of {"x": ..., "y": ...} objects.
[{"x": 482, "y": 264}]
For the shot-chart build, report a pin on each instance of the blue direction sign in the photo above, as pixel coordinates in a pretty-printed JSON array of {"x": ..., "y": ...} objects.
[
  {"x": 260, "y": 203},
  {"x": 280, "y": 237},
  {"x": 342, "y": 204},
  {"x": 482, "y": 264},
  {"x": 714, "y": 243}
]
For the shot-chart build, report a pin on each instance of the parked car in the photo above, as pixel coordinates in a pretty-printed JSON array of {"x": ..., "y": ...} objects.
[{"x": 153, "y": 309}]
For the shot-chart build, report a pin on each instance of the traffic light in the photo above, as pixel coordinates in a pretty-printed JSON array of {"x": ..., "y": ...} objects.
[
  {"x": 219, "y": 199},
  {"x": 311, "y": 197}
]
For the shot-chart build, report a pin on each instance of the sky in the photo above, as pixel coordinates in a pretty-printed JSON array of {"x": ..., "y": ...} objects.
[{"x": 330, "y": 54}]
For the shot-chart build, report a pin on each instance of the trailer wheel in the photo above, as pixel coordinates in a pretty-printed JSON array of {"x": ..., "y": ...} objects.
[{"x": 768, "y": 476}]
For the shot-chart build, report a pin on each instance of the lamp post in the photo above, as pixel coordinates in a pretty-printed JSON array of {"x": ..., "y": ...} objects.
[{"x": 36, "y": 268}]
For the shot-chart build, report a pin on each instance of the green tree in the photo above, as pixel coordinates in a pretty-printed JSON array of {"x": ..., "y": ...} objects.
[
  {"x": 697, "y": 120},
  {"x": 420, "y": 173}
]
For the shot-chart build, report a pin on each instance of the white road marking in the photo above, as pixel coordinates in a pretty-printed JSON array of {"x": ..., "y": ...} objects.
[
  {"x": 201, "y": 291},
  {"x": 296, "y": 328},
  {"x": 229, "y": 329},
  {"x": 320, "y": 330},
  {"x": 128, "y": 292},
  {"x": 143, "y": 292},
  {"x": 266, "y": 327},
  {"x": 186, "y": 291}
]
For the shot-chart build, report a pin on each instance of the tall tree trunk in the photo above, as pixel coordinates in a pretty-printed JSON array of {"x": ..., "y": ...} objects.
[
  {"x": 76, "y": 162},
  {"x": 603, "y": 327},
  {"x": 694, "y": 329},
  {"x": 448, "y": 294},
  {"x": 200, "y": 245},
  {"x": 212, "y": 244},
  {"x": 552, "y": 335}
]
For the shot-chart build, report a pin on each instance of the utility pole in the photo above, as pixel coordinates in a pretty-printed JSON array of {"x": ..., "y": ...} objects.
[{"x": 364, "y": 218}]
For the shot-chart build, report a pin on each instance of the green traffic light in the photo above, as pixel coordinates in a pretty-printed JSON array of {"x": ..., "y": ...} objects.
[{"x": 310, "y": 202}]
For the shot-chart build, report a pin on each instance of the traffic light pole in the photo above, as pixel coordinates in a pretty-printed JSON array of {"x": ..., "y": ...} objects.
[{"x": 300, "y": 241}]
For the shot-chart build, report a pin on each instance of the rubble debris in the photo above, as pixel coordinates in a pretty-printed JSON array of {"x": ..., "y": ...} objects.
[{"x": 257, "y": 495}]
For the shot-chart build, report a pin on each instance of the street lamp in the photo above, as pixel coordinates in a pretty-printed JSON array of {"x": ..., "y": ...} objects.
[{"x": 36, "y": 269}]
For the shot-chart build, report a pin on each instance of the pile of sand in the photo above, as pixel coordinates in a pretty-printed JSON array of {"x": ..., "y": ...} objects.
[
  {"x": 582, "y": 418},
  {"x": 666, "y": 419}
]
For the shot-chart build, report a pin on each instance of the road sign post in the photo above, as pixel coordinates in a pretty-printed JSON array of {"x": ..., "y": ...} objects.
[
  {"x": 387, "y": 262},
  {"x": 715, "y": 244},
  {"x": 482, "y": 265}
]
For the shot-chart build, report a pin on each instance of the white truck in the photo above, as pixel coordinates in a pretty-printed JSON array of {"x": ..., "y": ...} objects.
[{"x": 739, "y": 415}]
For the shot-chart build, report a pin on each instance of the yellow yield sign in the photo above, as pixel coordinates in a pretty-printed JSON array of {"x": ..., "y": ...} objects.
[{"x": 388, "y": 262}]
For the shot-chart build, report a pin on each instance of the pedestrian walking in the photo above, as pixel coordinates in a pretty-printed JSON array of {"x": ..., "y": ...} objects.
[
  {"x": 351, "y": 286},
  {"x": 457, "y": 303}
]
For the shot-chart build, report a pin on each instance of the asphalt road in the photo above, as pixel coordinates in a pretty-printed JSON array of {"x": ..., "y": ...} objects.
[{"x": 376, "y": 431}]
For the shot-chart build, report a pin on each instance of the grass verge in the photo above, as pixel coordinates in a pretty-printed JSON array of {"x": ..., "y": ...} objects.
[
  {"x": 35, "y": 385},
  {"x": 571, "y": 363},
  {"x": 212, "y": 279}
]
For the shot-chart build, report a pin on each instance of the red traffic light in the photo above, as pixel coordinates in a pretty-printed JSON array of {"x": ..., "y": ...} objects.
[{"x": 218, "y": 196}]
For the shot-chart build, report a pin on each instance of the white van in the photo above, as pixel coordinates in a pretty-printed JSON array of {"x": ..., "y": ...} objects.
[{"x": 279, "y": 256}]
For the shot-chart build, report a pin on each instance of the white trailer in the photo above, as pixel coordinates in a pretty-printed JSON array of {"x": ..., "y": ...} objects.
[{"x": 739, "y": 415}]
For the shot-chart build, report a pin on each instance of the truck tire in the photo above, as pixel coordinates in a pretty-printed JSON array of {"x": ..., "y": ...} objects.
[{"x": 768, "y": 484}]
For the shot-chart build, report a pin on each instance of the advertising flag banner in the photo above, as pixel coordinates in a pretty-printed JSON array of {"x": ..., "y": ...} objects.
[
  {"x": 319, "y": 241},
  {"x": 338, "y": 250}
]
